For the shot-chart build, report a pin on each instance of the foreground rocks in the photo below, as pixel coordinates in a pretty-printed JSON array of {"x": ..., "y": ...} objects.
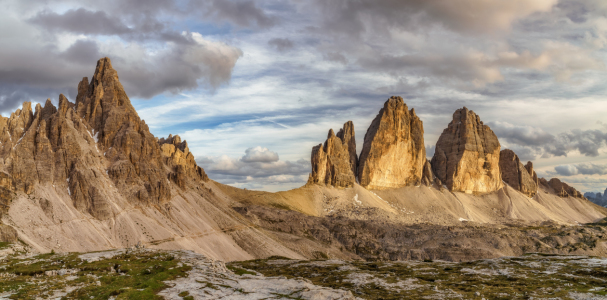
[
  {"x": 516, "y": 175},
  {"x": 210, "y": 279},
  {"x": 467, "y": 155},
  {"x": 533, "y": 276},
  {"x": 335, "y": 162},
  {"x": 393, "y": 153}
]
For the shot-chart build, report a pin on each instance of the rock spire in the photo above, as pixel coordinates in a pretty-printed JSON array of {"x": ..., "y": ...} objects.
[
  {"x": 467, "y": 154},
  {"x": 334, "y": 163},
  {"x": 393, "y": 153}
]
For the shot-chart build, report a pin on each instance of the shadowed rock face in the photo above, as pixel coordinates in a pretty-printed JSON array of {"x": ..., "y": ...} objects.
[
  {"x": 516, "y": 175},
  {"x": 393, "y": 153},
  {"x": 467, "y": 155},
  {"x": 335, "y": 162}
]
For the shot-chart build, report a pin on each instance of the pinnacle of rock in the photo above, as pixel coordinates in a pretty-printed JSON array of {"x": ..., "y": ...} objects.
[
  {"x": 467, "y": 154},
  {"x": 515, "y": 174},
  {"x": 393, "y": 153},
  {"x": 335, "y": 163}
]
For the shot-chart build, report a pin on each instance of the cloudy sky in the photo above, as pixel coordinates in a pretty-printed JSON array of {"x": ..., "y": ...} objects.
[{"x": 254, "y": 85}]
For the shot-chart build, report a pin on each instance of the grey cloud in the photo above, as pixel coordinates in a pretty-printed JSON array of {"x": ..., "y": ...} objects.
[
  {"x": 259, "y": 154},
  {"x": 521, "y": 135},
  {"x": 255, "y": 166},
  {"x": 336, "y": 57},
  {"x": 584, "y": 169},
  {"x": 82, "y": 51},
  {"x": 81, "y": 21},
  {"x": 182, "y": 67},
  {"x": 536, "y": 140},
  {"x": 280, "y": 44},
  {"x": 474, "y": 16},
  {"x": 240, "y": 13},
  {"x": 430, "y": 150}
]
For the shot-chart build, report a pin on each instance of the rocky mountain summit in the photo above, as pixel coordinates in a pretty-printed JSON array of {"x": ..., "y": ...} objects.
[{"x": 466, "y": 158}]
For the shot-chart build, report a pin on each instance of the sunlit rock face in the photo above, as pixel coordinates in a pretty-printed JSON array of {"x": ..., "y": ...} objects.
[
  {"x": 393, "y": 153},
  {"x": 334, "y": 163},
  {"x": 467, "y": 155}
]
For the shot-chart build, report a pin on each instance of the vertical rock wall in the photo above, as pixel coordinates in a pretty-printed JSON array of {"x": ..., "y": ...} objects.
[
  {"x": 467, "y": 154},
  {"x": 393, "y": 153}
]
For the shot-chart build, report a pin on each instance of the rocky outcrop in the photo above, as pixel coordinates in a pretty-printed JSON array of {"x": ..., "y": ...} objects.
[
  {"x": 393, "y": 153},
  {"x": 560, "y": 188},
  {"x": 335, "y": 163},
  {"x": 516, "y": 175},
  {"x": 178, "y": 157},
  {"x": 467, "y": 155}
]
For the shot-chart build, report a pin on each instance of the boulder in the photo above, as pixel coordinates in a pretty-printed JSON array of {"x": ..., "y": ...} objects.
[
  {"x": 393, "y": 153},
  {"x": 334, "y": 163},
  {"x": 466, "y": 158},
  {"x": 515, "y": 174}
]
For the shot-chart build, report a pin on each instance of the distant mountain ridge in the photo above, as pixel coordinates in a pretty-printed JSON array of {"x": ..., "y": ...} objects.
[{"x": 597, "y": 198}]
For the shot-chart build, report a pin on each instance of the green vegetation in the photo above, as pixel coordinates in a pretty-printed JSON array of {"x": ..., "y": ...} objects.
[
  {"x": 129, "y": 275},
  {"x": 240, "y": 271},
  {"x": 529, "y": 276},
  {"x": 4, "y": 245}
]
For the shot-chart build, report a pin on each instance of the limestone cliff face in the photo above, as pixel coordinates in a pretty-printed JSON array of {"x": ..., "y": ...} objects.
[
  {"x": 91, "y": 150},
  {"x": 516, "y": 175},
  {"x": 467, "y": 155},
  {"x": 335, "y": 162},
  {"x": 393, "y": 153}
]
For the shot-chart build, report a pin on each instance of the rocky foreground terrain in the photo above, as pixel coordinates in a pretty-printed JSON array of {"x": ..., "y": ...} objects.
[{"x": 156, "y": 274}]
